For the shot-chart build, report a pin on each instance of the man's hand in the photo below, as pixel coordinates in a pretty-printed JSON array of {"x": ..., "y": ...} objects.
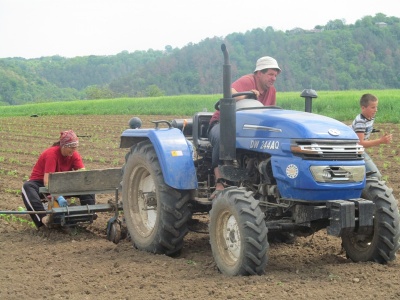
[{"x": 256, "y": 92}]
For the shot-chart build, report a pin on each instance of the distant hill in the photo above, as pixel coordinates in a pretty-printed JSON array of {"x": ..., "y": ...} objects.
[{"x": 364, "y": 55}]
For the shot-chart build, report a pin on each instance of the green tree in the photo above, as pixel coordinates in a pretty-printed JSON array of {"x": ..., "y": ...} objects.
[
  {"x": 153, "y": 91},
  {"x": 98, "y": 92}
]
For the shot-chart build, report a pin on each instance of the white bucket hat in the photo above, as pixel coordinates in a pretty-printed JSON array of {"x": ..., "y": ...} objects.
[{"x": 267, "y": 62}]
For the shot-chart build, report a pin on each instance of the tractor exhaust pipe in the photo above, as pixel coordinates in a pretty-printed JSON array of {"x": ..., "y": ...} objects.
[{"x": 227, "y": 147}]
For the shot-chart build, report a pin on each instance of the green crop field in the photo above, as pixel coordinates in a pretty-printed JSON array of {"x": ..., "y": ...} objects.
[{"x": 341, "y": 105}]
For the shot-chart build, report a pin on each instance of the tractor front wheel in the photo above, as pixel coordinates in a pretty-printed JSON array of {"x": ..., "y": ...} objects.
[
  {"x": 381, "y": 244},
  {"x": 238, "y": 233}
]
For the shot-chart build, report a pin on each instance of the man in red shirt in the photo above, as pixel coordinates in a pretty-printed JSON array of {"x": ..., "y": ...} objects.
[
  {"x": 62, "y": 156},
  {"x": 261, "y": 83}
]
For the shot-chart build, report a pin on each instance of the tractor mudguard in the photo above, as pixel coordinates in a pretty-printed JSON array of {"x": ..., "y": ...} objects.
[{"x": 173, "y": 152}]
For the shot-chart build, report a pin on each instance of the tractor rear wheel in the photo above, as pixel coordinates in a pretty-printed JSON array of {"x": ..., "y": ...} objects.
[
  {"x": 156, "y": 215},
  {"x": 382, "y": 243},
  {"x": 238, "y": 233}
]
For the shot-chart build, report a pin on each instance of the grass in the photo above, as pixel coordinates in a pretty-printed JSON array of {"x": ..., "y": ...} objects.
[{"x": 340, "y": 105}]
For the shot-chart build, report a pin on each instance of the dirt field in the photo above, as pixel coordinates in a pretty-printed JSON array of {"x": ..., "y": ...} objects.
[{"x": 83, "y": 264}]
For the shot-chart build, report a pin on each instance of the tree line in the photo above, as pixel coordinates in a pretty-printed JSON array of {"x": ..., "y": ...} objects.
[{"x": 334, "y": 56}]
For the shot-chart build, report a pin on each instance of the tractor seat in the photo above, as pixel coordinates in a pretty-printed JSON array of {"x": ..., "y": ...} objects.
[{"x": 201, "y": 122}]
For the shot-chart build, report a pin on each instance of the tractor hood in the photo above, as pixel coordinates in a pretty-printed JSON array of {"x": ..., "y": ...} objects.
[{"x": 265, "y": 122}]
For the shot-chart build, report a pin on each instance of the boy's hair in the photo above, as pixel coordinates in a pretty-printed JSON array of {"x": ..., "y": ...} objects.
[{"x": 366, "y": 99}]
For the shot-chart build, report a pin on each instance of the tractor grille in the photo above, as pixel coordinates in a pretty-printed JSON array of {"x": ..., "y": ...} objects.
[{"x": 328, "y": 150}]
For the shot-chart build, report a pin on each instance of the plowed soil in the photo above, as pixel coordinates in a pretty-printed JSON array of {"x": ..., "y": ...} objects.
[{"x": 82, "y": 264}]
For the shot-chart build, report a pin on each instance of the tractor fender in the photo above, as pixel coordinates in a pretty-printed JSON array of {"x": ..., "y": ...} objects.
[{"x": 174, "y": 152}]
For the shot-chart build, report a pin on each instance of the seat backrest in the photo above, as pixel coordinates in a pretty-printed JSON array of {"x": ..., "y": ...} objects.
[{"x": 201, "y": 122}]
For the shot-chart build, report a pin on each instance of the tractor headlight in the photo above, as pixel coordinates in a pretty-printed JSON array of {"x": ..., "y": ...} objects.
[{"x": 338, "y": 174}]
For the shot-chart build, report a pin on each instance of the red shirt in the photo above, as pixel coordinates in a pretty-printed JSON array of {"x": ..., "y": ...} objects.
[
  {"x": 248, "y": 83},
  {"x": 51, "y": 160}
]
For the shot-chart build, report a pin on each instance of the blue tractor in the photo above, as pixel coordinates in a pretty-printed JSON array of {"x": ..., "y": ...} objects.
[{"x": 288, "y": 172}]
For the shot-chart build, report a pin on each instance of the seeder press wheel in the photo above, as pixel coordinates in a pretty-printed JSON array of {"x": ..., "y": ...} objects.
[{"x": 114, "y": 231}]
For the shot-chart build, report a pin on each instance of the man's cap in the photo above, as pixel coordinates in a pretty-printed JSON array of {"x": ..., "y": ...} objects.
[{"x": 267, "y": 62}]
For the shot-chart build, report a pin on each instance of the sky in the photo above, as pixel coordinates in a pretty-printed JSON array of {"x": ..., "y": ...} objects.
[{"x": 71, "y": 28}]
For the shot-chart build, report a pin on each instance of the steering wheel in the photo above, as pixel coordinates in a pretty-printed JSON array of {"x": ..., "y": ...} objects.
[{"x": 249, "y": 95}]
